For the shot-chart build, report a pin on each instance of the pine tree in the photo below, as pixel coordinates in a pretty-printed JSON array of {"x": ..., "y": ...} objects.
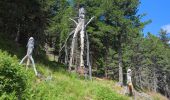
[{"x": 164, "y": 37}]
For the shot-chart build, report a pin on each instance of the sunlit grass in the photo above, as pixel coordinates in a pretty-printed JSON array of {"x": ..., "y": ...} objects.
[{"x": 66, "y": 86}]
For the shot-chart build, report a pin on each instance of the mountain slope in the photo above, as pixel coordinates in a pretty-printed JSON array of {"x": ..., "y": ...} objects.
[
  {"x": 60, "y": 85},
  {"x": 55, "y": 83}
]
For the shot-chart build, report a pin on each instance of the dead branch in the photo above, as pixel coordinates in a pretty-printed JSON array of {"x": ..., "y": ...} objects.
[
  {"x": 89, "y": 21},
  {"x": 73, "y": 21},
  {"x": 66, "y": 40}
]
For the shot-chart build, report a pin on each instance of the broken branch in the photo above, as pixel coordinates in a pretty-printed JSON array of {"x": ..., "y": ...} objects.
[
  {"x": 73, "y": 21},
  {"x": 66, "y": 40},
  {"x": 89, "y": 21}
]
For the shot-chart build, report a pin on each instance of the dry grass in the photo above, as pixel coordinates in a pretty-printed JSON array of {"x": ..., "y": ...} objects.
[{"x": 157, "y": 96}]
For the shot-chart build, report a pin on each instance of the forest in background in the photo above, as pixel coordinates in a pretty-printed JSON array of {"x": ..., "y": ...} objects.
[{"x": 115, "y": 35}]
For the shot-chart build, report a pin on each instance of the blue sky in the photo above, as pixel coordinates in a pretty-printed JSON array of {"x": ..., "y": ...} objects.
[{"x": 159, "y": 12}]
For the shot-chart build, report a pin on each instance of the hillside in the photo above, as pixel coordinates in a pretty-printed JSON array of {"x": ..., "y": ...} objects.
[
  {"x": 51, "y": 85},
  {"x": 61, "y": 85},
  {"x": 55, "y": 83}
]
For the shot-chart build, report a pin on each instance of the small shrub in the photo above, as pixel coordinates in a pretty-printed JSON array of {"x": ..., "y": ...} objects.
[{"x": 12, "y": 77}]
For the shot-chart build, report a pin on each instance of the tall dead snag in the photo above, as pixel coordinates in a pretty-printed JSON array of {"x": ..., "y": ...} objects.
[
  {"x": 88, "y": 58},
  {"x": 80, "y": 28},
  {"x": 79, "y": 35}
]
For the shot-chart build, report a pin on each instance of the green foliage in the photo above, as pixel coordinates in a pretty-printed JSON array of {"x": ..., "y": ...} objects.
[
  {"x": 22, "y": 19},
  {"x": 13, "y": 80},
  {"x": 9, "y": 46},
  {"x": 164, "y": 37},
  {"x": 149, "y": 60},
  {"x": 59, "y": 26},
  {"x": 104, "y": 93}
]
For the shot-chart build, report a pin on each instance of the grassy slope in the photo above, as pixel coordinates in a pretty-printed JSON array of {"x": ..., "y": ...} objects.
[
  {"x": 62, "y": 86},
  {"x": 65, "y": 86}
]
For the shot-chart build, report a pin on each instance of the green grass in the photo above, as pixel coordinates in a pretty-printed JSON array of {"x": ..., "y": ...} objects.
[
  {"x": 62, "y": 85},
  {"x": 65, "y": 86}
]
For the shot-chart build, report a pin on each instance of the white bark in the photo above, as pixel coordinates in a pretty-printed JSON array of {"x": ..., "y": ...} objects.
[
  {"x": 28, "y": 63},
  {"x": 80, "y": 29},
  {"x": 66, "y": 54},
  {"x": 73, "y": 45},
  {"x": 89, "y": 21},
  {"x": 129, "y": 81},
  {"x": 30, "y": 46},
  {"x": 73, "y": 21},
  {"x": 32, "y": 60},
  {"x": 82, "y": 45},
  {"x": 129, "y": 75},
  {"x": 88, "y": 57}
]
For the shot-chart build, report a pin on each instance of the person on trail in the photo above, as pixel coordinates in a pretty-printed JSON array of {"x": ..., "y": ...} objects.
[
  {"x": 129, "y": 81},
  {"x": 30, "y": 47}
]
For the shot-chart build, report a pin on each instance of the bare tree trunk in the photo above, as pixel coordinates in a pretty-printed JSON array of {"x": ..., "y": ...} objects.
[
  {"x": 66, "y": 55},
  {"x": 18, "y": 33},
  {"x": 82, "y": 49},
  {"x": 106, "y": 68},
  {"x": 106, "y": 73},
  {"x": 77, "y": 55},
  {"x": 140, "y": 78},
  {"x": 120, "y": 68},
  {"x": 46, "y": 48},
  {"x": 155, "y": 80},
  {"x": 88, "y": 57},
  {"x": 72, "y": 47},
  {"x": 28, "y": 63},
  {"x": 166, "y": 87},
  {"x": 120, "y": 62}
]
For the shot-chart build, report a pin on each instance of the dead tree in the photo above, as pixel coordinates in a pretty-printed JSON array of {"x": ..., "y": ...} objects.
[
  {"x": 30, "y": 47},
  {"x": 81, "y": 31}
]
